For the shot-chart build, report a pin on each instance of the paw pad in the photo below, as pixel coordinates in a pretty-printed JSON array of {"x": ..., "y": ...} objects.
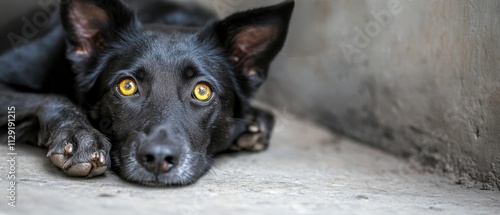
[
  {"x": 86, "y": 156},
  {"x": 253, "y": 140}
]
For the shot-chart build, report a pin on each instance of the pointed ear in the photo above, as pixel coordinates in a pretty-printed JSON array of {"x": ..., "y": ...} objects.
[
  {"x": 91, "y": 25},
  {"x": 253, "y": 38}
]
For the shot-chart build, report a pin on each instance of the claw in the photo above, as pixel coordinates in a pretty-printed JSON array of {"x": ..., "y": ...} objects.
[
  {"x": 68, "y": 149},
  {"x": 102, "y": 159},
  {"x": 95, "y": 156},
  {"x": 253, "y": 128},
  {"x": 98, "y": 158}
]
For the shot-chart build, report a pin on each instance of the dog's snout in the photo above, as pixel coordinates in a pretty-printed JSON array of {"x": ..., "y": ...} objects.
[{"x": 158, "y": 158}]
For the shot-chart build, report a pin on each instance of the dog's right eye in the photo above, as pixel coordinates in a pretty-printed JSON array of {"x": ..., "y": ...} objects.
[
  {"x": 202, "y": 92},
  {"x": 127, "y": 87}
]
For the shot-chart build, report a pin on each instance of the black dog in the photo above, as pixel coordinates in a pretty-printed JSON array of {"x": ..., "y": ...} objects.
[{"x": 153, "y": 101}]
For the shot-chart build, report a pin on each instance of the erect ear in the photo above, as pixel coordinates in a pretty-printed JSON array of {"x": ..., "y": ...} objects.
[
  {"x": 91, "y": 25},
  {"x": 253, "y": 38}
]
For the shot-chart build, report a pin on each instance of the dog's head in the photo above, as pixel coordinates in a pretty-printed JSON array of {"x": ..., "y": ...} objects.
[{"x": 168, "y": 97}]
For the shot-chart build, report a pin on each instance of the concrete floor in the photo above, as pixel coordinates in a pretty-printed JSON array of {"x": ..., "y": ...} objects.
[{"x": 307, "y": 170}]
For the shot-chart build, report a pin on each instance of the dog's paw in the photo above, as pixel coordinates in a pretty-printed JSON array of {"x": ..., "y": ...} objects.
[
  {"x": 254, "y": 139},
  {"x": 80, "y": 151},
  {"x": 257, "y": 134}
]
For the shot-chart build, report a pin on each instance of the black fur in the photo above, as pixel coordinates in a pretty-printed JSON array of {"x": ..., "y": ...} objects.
[{"x": 64, "y": 87}]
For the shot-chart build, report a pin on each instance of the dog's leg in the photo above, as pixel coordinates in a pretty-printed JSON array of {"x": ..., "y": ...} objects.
[
  {"x": 259, "y": 127},
  {"x": 74, "y": 145}
]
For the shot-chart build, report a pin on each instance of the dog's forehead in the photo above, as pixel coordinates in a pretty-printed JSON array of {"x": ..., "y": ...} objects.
[
  {"x": 170, "y": 44},
  {"x": 169, "y": 34},
  {"x": 174, "y": 49}
]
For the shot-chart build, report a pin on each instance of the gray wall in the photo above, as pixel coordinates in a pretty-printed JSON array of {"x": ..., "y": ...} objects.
[{"x": 424, "y": 85}]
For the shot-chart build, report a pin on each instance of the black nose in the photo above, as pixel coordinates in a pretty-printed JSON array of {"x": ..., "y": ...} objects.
[{"x": 158, "y": 158}]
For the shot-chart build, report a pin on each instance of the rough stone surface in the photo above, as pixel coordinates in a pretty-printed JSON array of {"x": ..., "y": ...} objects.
[{"x": 307, "y": 170}]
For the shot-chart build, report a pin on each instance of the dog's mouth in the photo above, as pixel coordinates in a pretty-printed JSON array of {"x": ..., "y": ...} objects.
[{"x": 159, "y": 165}]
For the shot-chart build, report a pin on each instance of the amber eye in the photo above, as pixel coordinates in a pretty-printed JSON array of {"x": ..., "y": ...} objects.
[
  {"x": 202, "y": 92},
  {"x": 127, "y": 87}
]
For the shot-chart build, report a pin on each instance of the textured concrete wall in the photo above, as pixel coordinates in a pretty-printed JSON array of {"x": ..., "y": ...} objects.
[{"x": 423, "y": 84}]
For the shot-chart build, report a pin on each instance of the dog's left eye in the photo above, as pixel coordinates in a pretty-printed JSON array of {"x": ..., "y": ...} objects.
[
  {"x": 202, "y": 92},
  {"x": 127, "y": 87}
]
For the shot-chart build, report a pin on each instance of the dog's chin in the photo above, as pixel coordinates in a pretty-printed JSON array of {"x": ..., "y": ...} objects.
[{"x": 188, "y": 172}]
